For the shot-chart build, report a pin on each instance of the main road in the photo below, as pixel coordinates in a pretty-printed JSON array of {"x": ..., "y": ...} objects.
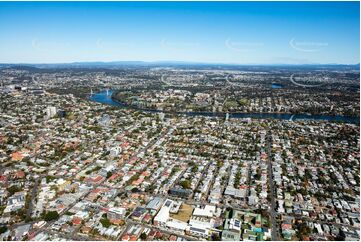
[{"x": 273, "y": 214}]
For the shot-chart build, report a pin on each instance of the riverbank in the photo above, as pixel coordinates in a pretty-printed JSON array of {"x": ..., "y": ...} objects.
[{"x": 106, "y": 98}]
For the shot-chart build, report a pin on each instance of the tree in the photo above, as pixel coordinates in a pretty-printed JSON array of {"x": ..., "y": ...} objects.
[
  {"x": 186, "y": 184},
  {"x": 13, "y": 189},
  {"x": 215, "y": 237},
  {"x": 150, "y": 188},
  {"x": 49, "y": 179},
  {"x": 135, "y": 189},
  {"x": 51, "y": 215},
  {"x": 303, "y": 230},
  {"x": 109, "y": 174},
  {"x": 194, "y": 168},
  {"x": 237, "y": 179},
  {"x": 143, "y": 236},
  {"x": 105, "y": 222},
  {"x": 3, "y": 229}
]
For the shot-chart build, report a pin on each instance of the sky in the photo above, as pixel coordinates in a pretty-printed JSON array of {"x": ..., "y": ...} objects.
[{"x": 209, "y": 32}]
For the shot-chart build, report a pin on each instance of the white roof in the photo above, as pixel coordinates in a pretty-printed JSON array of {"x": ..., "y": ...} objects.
[
  {"x": 235, "y": 224},
  {"x": 117, "y": 210},
  {"x": 60, "y": 181},
  {"x": 205, "y": 225},
  {"x": 207, "y": 211},
  {"x": 177, "y": 224},
  {"x": 162, "y": 215}
]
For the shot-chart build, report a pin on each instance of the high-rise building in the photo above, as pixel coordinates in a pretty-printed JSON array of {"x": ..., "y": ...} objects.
[
  {"x": 161, "y": 116},
  {"x": 50, "y": 112}
]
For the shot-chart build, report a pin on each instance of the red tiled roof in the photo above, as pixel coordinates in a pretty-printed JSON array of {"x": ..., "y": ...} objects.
[
  {"x": 97, "y": 178},
  {"x": 158, "y": 234},
  {"x": 20, "y": 174},
  {"x": 76, "y": 220},
  {"x": 125, "y": 237},
  {"x": 133, "y": 238},
  {"x": 16, "y": 156},
  {"x": 114, "y": 176},
  {"x": 145, "y": 173},
  {"x": 286, "y": 226}
]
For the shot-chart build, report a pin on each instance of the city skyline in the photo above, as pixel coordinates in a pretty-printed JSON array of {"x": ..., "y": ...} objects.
[{"x": 201, "y": 32}]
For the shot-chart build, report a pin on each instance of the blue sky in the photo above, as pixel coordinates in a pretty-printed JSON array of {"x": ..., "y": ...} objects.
[{"x": 218, "y": 32}]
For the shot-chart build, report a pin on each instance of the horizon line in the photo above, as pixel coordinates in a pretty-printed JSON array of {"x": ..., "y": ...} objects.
[{"x": 167, "y": 62}]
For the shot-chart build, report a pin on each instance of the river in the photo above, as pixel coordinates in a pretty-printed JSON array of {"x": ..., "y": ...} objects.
[{"x": 103, "y": 97}]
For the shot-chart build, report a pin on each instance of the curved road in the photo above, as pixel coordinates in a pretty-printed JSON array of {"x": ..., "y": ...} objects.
[{"x": 302, "y": 85}]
